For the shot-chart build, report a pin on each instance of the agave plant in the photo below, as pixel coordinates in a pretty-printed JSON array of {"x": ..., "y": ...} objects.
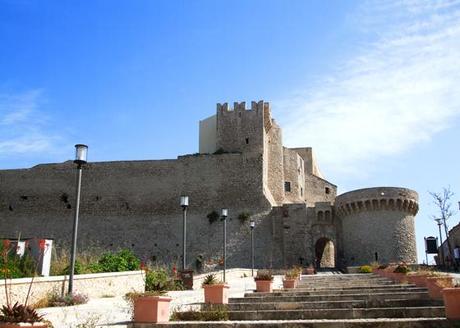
[
  {"x": 210, "y": 279},
  {"x": 19, "y": 313}
]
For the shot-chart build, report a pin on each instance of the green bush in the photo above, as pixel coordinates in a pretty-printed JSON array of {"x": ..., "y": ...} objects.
[
  {"x": 14, "y": 266},
  {"x": 124, "y": 260},
  {"x": 212, "y": 313},
  {"x": 213, "y": 217},
  {"x": 156, "y": 280},
  {"x": 160, "y": 280},
  {"x": 365, "y": 269},
  {"x": 243, "y": 217}
]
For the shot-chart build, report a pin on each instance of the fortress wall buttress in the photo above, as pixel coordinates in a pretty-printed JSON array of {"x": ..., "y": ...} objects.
[{"x": 378, "y": 225}]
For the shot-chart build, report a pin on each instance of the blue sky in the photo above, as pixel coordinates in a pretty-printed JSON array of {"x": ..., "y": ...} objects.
[{"x": 372, "y": 86}]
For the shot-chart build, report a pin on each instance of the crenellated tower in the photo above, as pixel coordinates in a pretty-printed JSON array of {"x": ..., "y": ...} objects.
[{"x": 378, "y": 225}]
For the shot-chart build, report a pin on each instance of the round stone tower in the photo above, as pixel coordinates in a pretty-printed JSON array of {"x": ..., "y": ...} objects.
[{"x": 378, "y": 225}]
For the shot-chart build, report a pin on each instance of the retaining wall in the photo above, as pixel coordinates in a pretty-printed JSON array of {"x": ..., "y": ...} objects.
[{"x": 93, "y": 285}]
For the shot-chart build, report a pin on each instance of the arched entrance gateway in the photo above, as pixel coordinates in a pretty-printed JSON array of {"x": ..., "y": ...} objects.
[{"x": 324, "y": 253}]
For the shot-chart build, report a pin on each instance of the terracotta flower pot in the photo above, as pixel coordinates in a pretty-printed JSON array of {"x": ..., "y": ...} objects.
[
  {"x": 151, "y": 309},
  {"x": 451, "y": 298},
  {"x": 417, "y": 279},
  {"x": 434, "y": 289},
  {"x": 399, "y": 277},
  {"x": 264, "y": 286},
  {"x": 24, "y": 325},
  {"x": 216, "y": 294},
  {"x": 289, "y": 283}
]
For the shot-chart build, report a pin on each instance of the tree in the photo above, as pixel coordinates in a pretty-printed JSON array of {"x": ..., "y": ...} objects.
[{"x": 442, "y": 200}]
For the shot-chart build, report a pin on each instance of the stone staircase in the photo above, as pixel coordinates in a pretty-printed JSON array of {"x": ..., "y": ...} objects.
[{"x": 343, "y": 301}]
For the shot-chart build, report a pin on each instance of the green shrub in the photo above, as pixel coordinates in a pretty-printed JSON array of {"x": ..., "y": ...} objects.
[
  {"x": 14, "y": 266},
  {"x": 213, "y": 217},
  {"x": 124, "y": 260},
  {"x": 365, "y": 269},
  {"x": 157, "y": 280},
  {"x": 243, "y": 217},
  {"x": 213, "y": 313}
]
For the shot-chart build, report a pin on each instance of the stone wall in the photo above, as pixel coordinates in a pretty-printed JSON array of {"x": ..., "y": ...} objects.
[
  {"x": 92, "y": 285},
  {"x": 378, "y": 224},
  {"x": 135, "y": 204}
]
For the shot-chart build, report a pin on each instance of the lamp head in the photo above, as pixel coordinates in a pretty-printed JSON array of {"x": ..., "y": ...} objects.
[
  {"x": 184, "y": 201},
  {"x": 224, "y": 213},
  {"x": 252, "y": 224},
  {"x": 81, "y": 154}
]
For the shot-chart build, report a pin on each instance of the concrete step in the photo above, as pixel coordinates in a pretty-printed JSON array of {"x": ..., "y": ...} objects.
[
  {"x": 353, "y": 323},
  {"x": 252, "y": 306},
  {"x": 353, "y": 313},
  {"x": 348, "y": 283},
  {"x": 312, "y": 298},
  {"x": 306, "y": 292}
]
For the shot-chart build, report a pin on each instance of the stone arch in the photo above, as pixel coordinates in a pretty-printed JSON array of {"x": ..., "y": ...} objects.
[{"x": 324, "y": 253}]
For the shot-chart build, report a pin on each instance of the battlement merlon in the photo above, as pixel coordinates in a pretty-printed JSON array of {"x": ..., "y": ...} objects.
[{"x": 257, "y": 106}]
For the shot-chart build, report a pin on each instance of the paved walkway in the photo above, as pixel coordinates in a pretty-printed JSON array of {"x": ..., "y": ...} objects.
[{"x": 115, "y": 312}]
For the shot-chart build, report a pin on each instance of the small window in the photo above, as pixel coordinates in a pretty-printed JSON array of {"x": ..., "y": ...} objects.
[
  {"x": 301, "y": 191},
  {"x": 247, "y": 141},
  {"x": 287, "y": 186},
  {"x": 320, "y": 216},
  {"x": 327, "y": 190}
]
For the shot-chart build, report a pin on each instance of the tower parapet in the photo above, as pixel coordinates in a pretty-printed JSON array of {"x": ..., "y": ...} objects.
[
  {"x": 378, "y": 225},
  {"x": 376, "y": 199}
]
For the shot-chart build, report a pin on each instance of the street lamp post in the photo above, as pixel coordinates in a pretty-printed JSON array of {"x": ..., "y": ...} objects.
[
  {"x": 440, "y": 241},
  {"x": 224, "y": 214},
  {"x": 81, "y": 153},
  {"x": 252, "y": 224},
  {"x": 184, "y": 205}
]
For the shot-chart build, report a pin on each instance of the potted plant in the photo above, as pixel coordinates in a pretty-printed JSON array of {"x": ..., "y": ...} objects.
[
  {"x": 290, "y": 279},
  {"x": 215, "y": 291},
  {"x": 264, "y": 281},
  {"x": 451, "y": 298},
  {"x": 400, "y": 272},
  {"x": 14, "y": 316},
  {"x": 149, "y": 307}
]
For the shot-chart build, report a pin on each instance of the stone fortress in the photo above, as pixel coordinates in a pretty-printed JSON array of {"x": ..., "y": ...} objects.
[{"x": 242, "y": 165}]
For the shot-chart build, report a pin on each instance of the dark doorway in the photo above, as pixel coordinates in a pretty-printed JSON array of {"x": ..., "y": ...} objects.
[{"x": 324, "y": 253}]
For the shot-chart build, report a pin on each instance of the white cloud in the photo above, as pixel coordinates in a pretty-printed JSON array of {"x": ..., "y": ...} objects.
[
  {"x": 396, "y": 91},
  {"x": 23, "y": 125}
]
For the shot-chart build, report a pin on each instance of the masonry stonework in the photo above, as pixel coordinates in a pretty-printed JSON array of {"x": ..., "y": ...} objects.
[{"x": 243, "y": 166}]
